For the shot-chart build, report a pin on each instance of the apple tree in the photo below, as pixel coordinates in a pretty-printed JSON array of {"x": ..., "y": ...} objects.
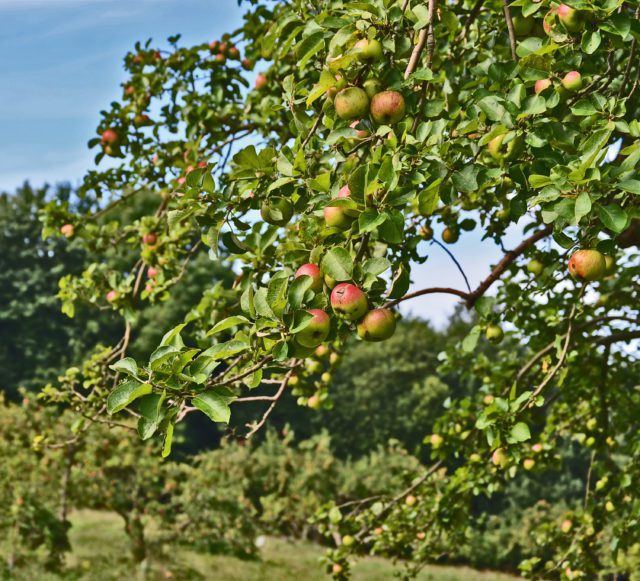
[{"x": 372, "y": 129}]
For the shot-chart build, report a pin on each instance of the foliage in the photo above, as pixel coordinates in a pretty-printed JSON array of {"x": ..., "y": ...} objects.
[{"x": 472, "y": 142}]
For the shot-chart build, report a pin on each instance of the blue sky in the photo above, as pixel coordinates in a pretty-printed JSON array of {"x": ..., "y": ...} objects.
[{"x": 63, "y": 63}]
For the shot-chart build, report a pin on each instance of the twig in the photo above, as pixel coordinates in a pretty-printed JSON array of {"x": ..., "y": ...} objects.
[
  {"x": 512, "y": 33},
  {"x": 422, "y": 40},
  {"x": 245, "y": 373},
  {"x": 473, "y": 14},
  {"x": 276, "y": 397},
  {"x": 466, "y": 280},
  {"x": 312, "y": 131},
  {"x": 427, "y": 291}
]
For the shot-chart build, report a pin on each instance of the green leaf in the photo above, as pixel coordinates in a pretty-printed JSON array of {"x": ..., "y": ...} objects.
[
  {"x": 168, "y": 440},
  {"x": 162, "y": 355},
  {"x": 215, "y": 403},
  {"x": 376, "y": 265},
  {"x": 471, "y": 340},
  {"x": 591, "y": 41},
  {"x": 369, "y": 220},
  {"x": 151, "y": 414},
  {"x": 519, "y": 433},
  {"x": 338, "y": 264},
  {"x": 428, "y": 201},
  {"x": 582, "y": 206},
  {"x": 227, "y": 323},
  {"x": 631, "y": 186},
  {"x": 225, "y": 350},
  {"x": 126, "y": 393},
  {"x": 613, "y": 217},
  {"x": 126, "y": 365},
  {"x": 298, "y": 289},
  {"x": 173, "y": 337}
]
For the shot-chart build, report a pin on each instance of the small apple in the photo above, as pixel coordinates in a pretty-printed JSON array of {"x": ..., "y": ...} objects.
[
  {"x": 277, "y": 211},
  {"x": 450, "y": 235},
  {"x": 426, "y": 232},
  {"x": 349, "y": 302},
  {"x": 351, "y": 103},
  {"x": 377, "y": 325},
  {"x": 494, "y": 334},
  {"x": 261, "y": 82},
  {"x": 150, "y": 239},
  {"x": 387, "y": 107},
  {"x": 378, "y": 531},
  {"x": 221, "y": 58},
  {"x": 541, "y": 85},
  {"x": 610, "y": 265},
  {"x": 535, "y": 267},
  {"x": 368, "y": 50},
  {"x": 572, "y": 81},
  {"x": 321, "y": 351},
  {"x": 67, "y": 230},
  {"x": 372, "y": 87},
  {"x": 488, "y": 399},
  {"x": 500, "y": 458},
  {"x": 537, "y": 448},
  {"x": 152, "y": 272},
  {"x": 326, "y": 377},
  {"x": 316, "y": 331},
  {"x": 337, "y": 217},
  {"x": 500, "y": 149},
  {"x": 522, "y": 25},
  {"x": 337, "y": 568},
  {"x": 329, "y": 281},
  {"x": 334, "y": 358},
  {"x": 566, "y": 526},
  {"x": 528, "y": 463},
  {"x": 436, "y": 440},
  {"x": 312, "y": 271},
  {"x": 247, "y": 64},
  {"x": 410, "y": 500},
  {"x": 294, "y": 380},
  {"x": 109, "y": 137},
  {"x": 112, "y": 296},
  {"x": 214, "y": 46},
  {"x": 314, "y": 402},
  {"x": 313, "y": 366},
  {"x": 421, "y": 535},
  {"x": 348, "y": 540},
  {"x": 233, "y": 53},
  {"x": 587, "y": 265},
  {"x": 570, "y": 18}
]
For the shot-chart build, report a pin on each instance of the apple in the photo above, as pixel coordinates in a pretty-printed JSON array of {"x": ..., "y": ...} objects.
[
  {"x": 566, "y": 526},
  {"x": 334, "y": 358},
  {"x": 314, "y": 402},
  {"x": 109, "y": 137},
  {"x": 294, "y": 380},
  {"x": 247, "y": 64},
  {"x": 277, "y": 211},
  {"x": 313, "y": 366},
  {"x": 572, "y": 81},
  {"x": 410, "y": 500},
  {"x": 488, "y": 399},
  {"x": 214, "y": 45},
  {"x": 348, "y": 301},
  {"x": 360, "y": 133},
  {"x": 421, "y": 535},
  {"x": 261, "y": 82},
  {"x": 317, "y": 329},
  {"x": 67, "y": 230},
  {"x": 450, "y": 235},
  {"x": 570, "y": 18},
  {"x": 537, "y": 448},
  {"x": 499, "y": 149},
  {"x": 609, "y": 506},
  {"x": 348, "y": 540},
  {"x": 233, "y": 53},
  {"x": 436, "y": 440},
  {"x": 377, "y": 325},
  {"x": 313, "y": 271},
  {"x": 522, "y": 25},
  {"x": 150, "y": 239},
  {"x": 337, "y": 568},
  {"x": 321, "y": 351},
  {"x": 541, "y": 85},
  {"x": 351, "y": 103},
  {"x": 112, "y": 296},
  {"x": 333, "y": 91},
  {"x": 142, "y": 120},
  {"x": 528, "y": 463},
  {"x": 610, "y": 265},
  {"x": 221, "y": 59},
  {"x": 152, "y": 272},
  {"x": 475, "y": 457},
  {"x": 535, "y": 267},
  {"x": 587, "y": 265},
  {"x": 500, "y": 458},
  {"x": 372, "y": 87},
  {"x": 494, "y": 334},
  {"x": 336, "y": 217},
  {"x": 325, "y": 377},
  {"x": 426, "y": 232},
  {"x": 378, "y": 531},
  {"x": 387, "y": 107},
  {"x": 368, "y": 50}
]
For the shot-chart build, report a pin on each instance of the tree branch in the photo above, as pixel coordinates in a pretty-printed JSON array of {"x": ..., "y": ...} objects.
[
  {"x": 426, "y": 33},
  {"x": 512, "y": 33}
]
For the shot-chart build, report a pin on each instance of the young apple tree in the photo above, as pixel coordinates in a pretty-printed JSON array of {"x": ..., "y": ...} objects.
[{"x": 371, "y": 127}]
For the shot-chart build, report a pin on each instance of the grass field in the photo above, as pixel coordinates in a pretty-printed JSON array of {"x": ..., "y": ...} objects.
[{"x": 100, "y": 552}]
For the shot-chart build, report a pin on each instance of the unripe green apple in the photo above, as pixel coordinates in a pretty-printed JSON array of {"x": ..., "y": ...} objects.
[
  {"x": 326, "y": 377},
  {"x": 522, "y": 25},
  {"x": 426, "y": 232},
  {"x": 377, "y": 325},
  {"x": 294, "y": 380},
  {"x": 450, "y": 235},
  {"x": 587, "y": 265},
  {"x": 372, "y": 87},
  {"x": 528, "y": 463},
  {"x": 277, "y": 211},
  {"x": 387, "y": 107},
  {"x": 610, "y": 265},
  {"x": 334, "y": 358},
  {"x": 600, "y": 484},
  {"x": 592, "y": 424},
  {"x": 572, "y": 81},
  {"x": 348, "y": 540},
  {"x": 566, "y": 526},
  {"x": 570, "y": 18},
  {"x": 313, "y": 366},
  {"x": 368, "y": 50},
  {"x": 316, "y": 331},
  {"x": 494, "y": 334},
  {"x": 312, "y": 271},
  {"x": 475, "y": 457},
  {"x": 499, "y": 149},
  {"x": 542, "y": 85},
  {"x": 535, "y": 267},
  {"x": 500, "y": 458},
  {"x": 337, "y": 217},
  {"x": 349, "y": 302},
  {"x": 351, "y": 103},
  {"x": 410, "y": 500}
]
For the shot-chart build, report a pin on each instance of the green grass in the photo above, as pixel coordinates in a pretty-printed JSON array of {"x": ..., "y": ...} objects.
[{"x": 100, "y": 553}]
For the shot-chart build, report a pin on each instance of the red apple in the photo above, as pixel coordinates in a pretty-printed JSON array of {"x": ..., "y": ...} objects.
[
  {"x": 349, "y": 302},
  {"x": 261, "y": 82},
  {"x": 387, "y": 107},
  {"x": 109, "y": 137},
  {"x": 312, "y": 271},
  {"x": 377, "y": 325},
  {"x": 587, "y": 265}
]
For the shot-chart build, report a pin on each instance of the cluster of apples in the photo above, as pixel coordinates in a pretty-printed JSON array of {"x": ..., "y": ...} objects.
[
  {"x": 348, "y": 303},
  {"x": 224, "y": 50}
]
